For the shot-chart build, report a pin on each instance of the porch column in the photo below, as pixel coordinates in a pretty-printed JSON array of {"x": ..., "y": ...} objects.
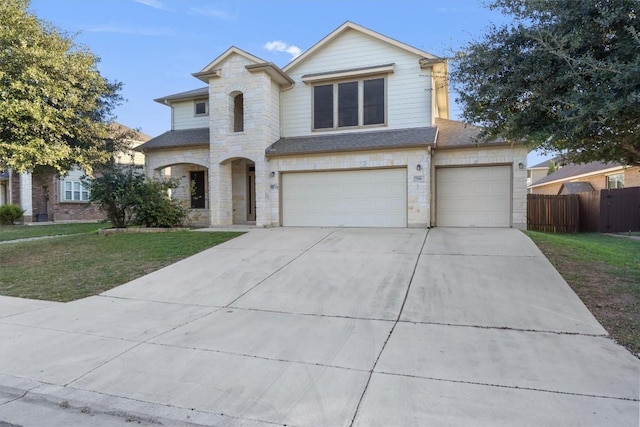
[
  {"x": 220, "y": 194},
  {"x": 26, "y": 199}
]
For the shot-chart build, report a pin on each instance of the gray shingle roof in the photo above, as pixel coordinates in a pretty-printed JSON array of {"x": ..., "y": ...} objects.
[
  {"x": 356, "y": 141},
  {"x": 177, "y": 138},
  {"x": 190, "y": 94},
  {"x": 575, "y": 188},
  {"x": 572, "y": 170},
  {"x": 545, "y": 164},
  {"x": 456, "y": 134}
]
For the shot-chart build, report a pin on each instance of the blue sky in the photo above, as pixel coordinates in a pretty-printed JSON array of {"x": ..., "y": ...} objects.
[{"x": 153, "y": 46}]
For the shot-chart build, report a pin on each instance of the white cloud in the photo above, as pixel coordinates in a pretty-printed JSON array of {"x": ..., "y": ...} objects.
[
  {"x": 213, "y": 13},
  {"x": 279, "y": 46},
  {"x": 139, "y": 31},
  {"x": 156, "y": 4}
]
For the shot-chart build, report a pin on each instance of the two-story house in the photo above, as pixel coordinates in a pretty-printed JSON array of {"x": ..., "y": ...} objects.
[{"x": 353, "y": 132}]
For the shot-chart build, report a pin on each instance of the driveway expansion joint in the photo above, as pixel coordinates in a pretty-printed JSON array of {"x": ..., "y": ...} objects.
[
  {"x": 508, "y": 328},
  {"x": 273, "y": 273},
  {"x": 384, "y": 345},
  {"x": 628, "y": 399},
  {"x": 253, "y": 356}
]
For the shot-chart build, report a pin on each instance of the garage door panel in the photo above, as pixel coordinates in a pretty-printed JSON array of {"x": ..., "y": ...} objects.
[
  {"x": 363, "y": 198},
  {"x": 473, "y": 196}
]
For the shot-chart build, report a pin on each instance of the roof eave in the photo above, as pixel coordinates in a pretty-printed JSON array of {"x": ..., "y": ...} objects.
[
  {"x": 584, "y": 175},
  {"x": 273, "y": 71},
  {"x": 353, "y": 149}
]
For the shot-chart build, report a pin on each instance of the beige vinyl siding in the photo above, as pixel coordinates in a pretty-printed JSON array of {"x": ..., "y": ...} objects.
[
  {"x": 184, "y": 116},
  {"x": 355, "y": 50}
]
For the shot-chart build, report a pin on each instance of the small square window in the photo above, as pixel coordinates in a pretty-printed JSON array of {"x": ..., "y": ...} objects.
[
  {"x": 200, "y": 108},
  {"x": 615, "y": 181}
]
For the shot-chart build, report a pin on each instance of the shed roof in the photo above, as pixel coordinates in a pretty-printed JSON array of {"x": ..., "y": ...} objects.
[{"x": 575, "y": 187}]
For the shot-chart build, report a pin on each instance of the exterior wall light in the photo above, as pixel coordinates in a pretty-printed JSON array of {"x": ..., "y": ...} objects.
[
  {"x": 520, "y": 165},
  {"x": 418, "y": 167},
  {"x": 272, "y": 174}
]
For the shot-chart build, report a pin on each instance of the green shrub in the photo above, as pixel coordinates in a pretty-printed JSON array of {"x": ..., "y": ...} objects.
[
  {"x": 117, "y": 191},
  {"x": 10, "y": 214},
  {"x": 128, "y": 197},
  {"x": 156, "y": 208}
]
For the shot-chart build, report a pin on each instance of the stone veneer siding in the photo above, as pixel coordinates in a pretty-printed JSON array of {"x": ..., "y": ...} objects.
[{"x": 488, "y": 156}]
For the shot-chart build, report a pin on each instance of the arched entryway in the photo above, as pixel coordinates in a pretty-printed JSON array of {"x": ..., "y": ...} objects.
[
  {"x": 193, "y": 189},
  {"x": 243, "y": 191}
]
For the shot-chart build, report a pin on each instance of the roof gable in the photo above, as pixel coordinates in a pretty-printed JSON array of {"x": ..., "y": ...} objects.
[
  {"x": 350, "y": 26},
  {"x": 211, "y": 70}
]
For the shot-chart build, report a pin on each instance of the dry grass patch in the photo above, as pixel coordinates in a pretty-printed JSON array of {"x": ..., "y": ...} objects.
[{"x": 604, "y": 271}]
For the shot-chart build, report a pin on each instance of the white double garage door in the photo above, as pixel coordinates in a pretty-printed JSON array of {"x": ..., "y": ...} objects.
[{"x": 465, "y": 197}]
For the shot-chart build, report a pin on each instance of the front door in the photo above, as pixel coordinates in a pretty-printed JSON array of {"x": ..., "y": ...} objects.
[
  {"x": 198, "y": 200},
  {"x": 251, "y": 193}
]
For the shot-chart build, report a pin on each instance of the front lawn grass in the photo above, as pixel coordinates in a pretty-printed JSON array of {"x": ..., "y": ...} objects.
[
  {"x": 604, "y": 271},
  {"x": 13, "y": 232},
  {"x": 70, "y": 267}
]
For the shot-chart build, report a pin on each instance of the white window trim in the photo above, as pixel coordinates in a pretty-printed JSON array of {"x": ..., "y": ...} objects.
[
  {"x": 353, "y": 74},
  {"x": 621, "y": 180},
  {"x": 83, "y": 190},
  {"x": 360, "y": 124}
]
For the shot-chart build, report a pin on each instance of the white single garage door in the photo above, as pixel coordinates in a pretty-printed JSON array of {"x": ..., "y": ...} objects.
[
  {"x": 473, "y": 196},
  {"x": 362, "y": 198}
]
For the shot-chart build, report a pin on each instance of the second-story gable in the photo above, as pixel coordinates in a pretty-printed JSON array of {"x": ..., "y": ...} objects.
[
  {"x": 244, "y": 101},
  {"x": 355, "y": 80}
]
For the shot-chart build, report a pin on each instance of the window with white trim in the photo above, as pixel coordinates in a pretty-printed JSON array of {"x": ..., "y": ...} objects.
[
  {"x": 615, "y": 181},
  {"x": 75, "y": 191},
  {"x": 72, "y": 188},
  {"x": 347, "y": 104}
]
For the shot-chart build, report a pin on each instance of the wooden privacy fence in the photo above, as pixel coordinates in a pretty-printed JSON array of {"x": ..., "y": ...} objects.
[
  {"x": 604, "y": 211},
  {"x": 554, "y": 214},
  {"x": 619, "y": 210}
]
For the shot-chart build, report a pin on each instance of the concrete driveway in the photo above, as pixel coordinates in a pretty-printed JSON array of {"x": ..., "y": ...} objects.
[{"x": 324, "y": 327}]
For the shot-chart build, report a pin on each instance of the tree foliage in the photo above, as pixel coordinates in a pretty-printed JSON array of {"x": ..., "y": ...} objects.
[
  {"x": 127, "y": 197},
  {"x": 563, "y": 75},
  {"x": 55, "y": 107}
]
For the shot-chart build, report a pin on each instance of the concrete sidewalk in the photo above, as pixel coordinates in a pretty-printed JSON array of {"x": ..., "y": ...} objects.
[{"x": 324, "y": 327}]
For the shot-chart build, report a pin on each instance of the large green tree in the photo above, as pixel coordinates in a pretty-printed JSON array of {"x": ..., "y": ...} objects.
[
  {"x": 563, "y": 75},
  {"x": 55, "y": 107}
]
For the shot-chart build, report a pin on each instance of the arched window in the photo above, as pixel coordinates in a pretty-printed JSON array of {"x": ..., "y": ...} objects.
[{"x": 238, "y": 113}]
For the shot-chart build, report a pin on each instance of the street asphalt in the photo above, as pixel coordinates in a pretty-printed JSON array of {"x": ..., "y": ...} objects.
[{"x": 324, "y": 327}]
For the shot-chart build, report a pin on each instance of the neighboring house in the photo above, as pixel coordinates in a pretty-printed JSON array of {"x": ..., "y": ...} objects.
[
  {"x": 46, "y": 196},
  {"x": 353, "y": 132},
  {"x": 540, "y": 170},
  {"x": 592, "y": 176}
]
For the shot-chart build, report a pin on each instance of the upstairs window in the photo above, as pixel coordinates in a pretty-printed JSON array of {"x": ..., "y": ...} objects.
[
  {"x": 200, "y": 108},
  {"x": 349, "y": 104},
  {"x": 238, "y": 113}
]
